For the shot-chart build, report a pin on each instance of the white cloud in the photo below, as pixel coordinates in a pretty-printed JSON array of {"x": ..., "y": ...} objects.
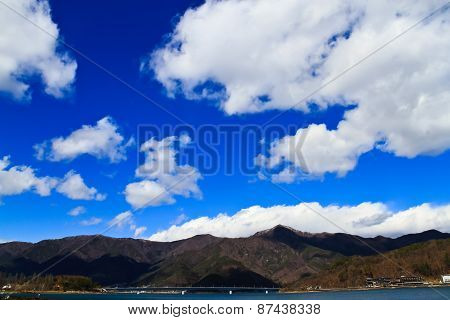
[
  {"x": 287, "y": 175},
  {"x": 77, "y": 211},
  {"x": 139, "y": 231},
  {"x": 180, "y": 219},
  {"x": 102, "y": 140},
  {"x": 15, "y": 180},
  {"x": 270, "y": 55},
  {"x": 91, "y": 221},
  {"x": 122, "y": 219},
  {"x": 147, "y": 193},
  {"x": 162, "y": 178},
  {"x": 73, "y": 187},
  {"x": 19, "y": 179},
  {"x": 126, "y": 219},
  {"x": 25, "y": 50},
  {"x": 316, "y": 150},
  {"x": 365, "y": 219}
]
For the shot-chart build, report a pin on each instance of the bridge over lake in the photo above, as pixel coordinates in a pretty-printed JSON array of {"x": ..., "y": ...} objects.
[{"x": 190, "y": 289}]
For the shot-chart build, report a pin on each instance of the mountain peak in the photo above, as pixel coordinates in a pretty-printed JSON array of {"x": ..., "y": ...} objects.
[{"x": 277, "y": 228}]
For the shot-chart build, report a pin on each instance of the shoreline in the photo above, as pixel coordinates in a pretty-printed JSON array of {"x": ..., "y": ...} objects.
[
  {"x": 367, "y": 288},
  {"x": 5, "y": 293}
]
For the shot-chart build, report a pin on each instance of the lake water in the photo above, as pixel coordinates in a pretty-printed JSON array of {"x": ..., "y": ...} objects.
[{"x": 440, "y": 293}]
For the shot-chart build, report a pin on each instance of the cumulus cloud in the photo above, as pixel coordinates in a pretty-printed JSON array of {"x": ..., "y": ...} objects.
[
  {"x": 77, "y": 211},
  {"x": 365, "y": 219},
  {"x": 73, "y": 187},
  {"x": 91, "y": 221},
  {"x": 102, "y": 140},
  {"x": 147, "y": 193},
  {"x": 26, "y": 51},
  {"x": 15, "y": 180},
  {"x": 161, "y": 177},
  {"x": 255, "y": 55},
  {"x": 314, "y": 151}
]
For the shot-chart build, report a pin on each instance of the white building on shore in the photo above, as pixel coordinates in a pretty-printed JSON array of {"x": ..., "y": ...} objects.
[{"x": 446, "y": 278}]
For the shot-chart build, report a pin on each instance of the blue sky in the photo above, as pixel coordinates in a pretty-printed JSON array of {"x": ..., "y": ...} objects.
[{"x": 121, "y": 38}]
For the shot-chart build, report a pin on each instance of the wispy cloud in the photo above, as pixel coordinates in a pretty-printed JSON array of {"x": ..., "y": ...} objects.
[
  {"x": 91, "y": 221},
  {"x": 179, "y": 219},
  {"x": 121, "y": 220},
  {"x": 77, "y": 211},
  {"x": 139, "y": 231}
]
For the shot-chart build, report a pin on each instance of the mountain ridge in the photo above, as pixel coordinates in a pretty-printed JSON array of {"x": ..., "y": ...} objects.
[
  {"x": 279, "y": 226},
  {"x": 276, "y": 256}
]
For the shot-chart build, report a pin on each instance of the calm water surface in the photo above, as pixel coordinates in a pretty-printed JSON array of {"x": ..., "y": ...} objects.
[{"x": 441, "y": 293}]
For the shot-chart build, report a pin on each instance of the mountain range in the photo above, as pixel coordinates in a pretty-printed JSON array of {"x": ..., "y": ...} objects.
[{"x": 279, "y": 256}]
